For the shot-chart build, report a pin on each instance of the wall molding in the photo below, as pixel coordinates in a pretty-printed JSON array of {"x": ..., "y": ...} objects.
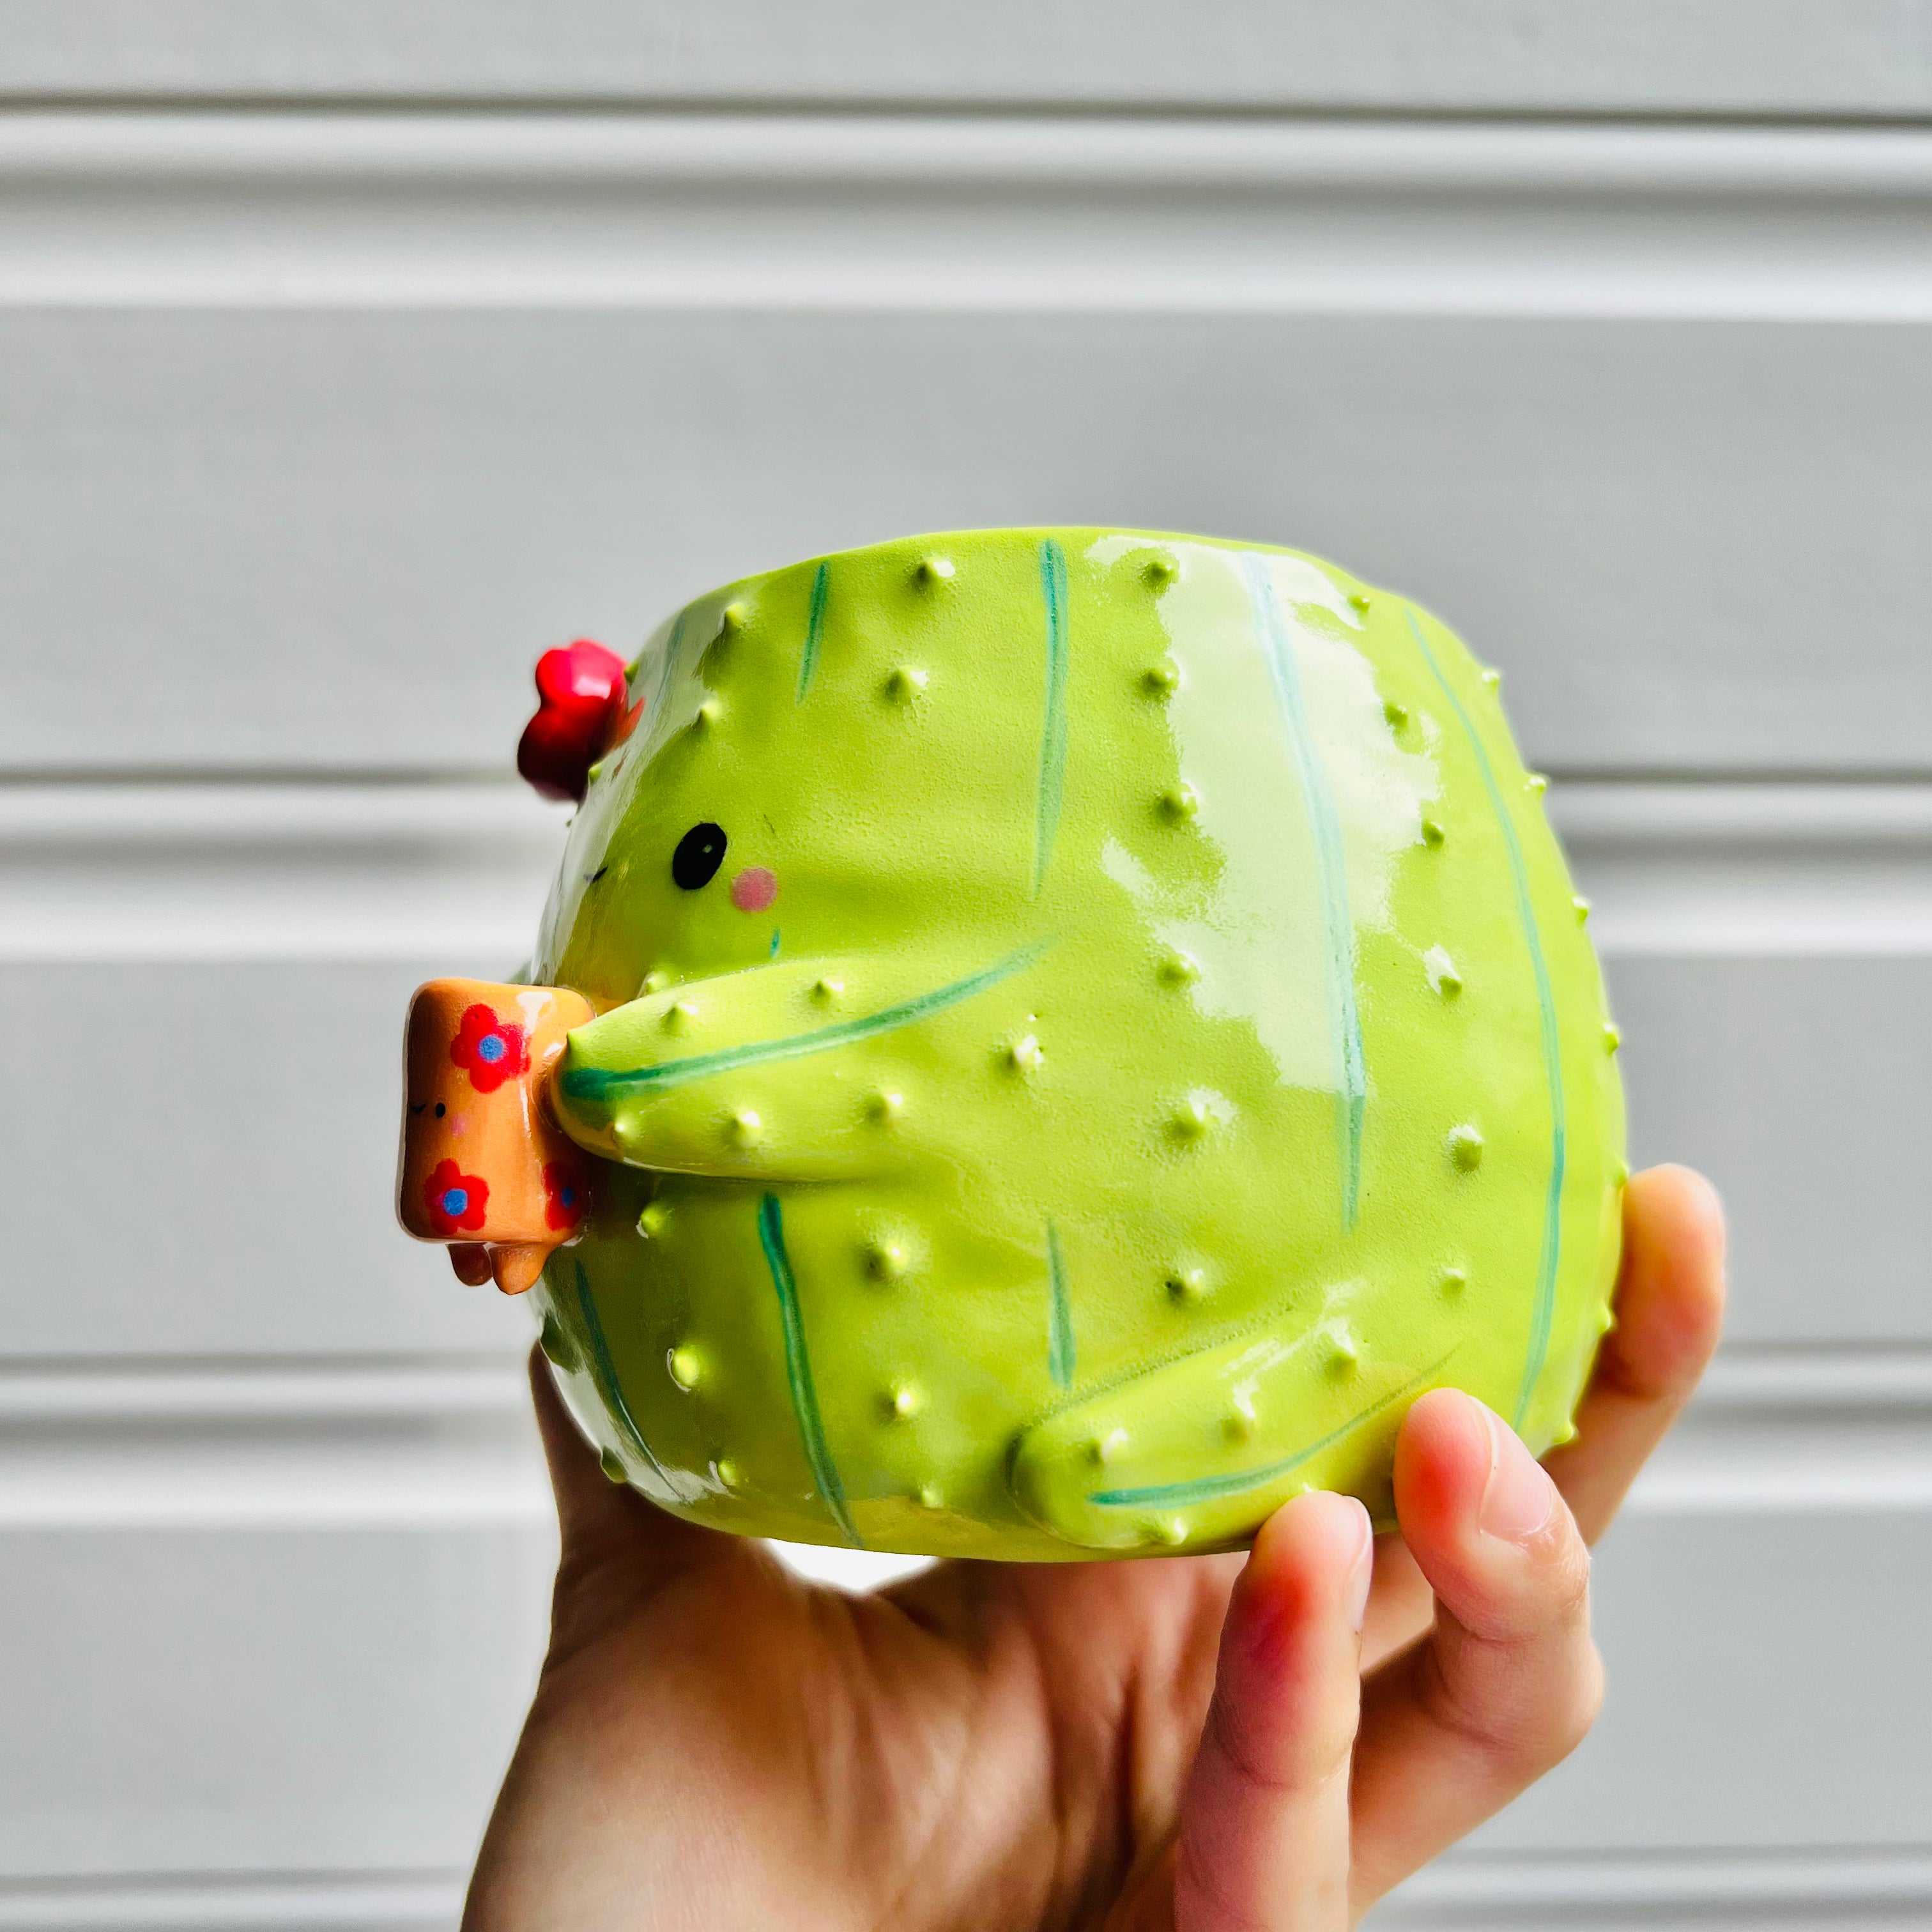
[
  {"x": 1760, "y": 870},
  {"x": 236, "y": 1902},
  {"x": 1790, "y": 1431},
  {"x": 962, "y": 213},
  {"x": 407, "y": 871},
  {"x": 1716, "y": 1891},
  {"x": 115, "y": 1393},
  {"x": 235, "y": 1444},
  {"x": 1648, "y": 56},
  {"x": 302, "y": 1393},
  {"x": 248, "y": 872}
]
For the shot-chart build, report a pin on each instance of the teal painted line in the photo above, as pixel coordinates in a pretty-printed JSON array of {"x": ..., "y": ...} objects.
[
  {"x": 605, "y": 1371},
  {"x": 1060, "y": 1315},
  {"x": 777, "y": 935},
  {"x": 1211, "y": 1489},
  {"x": 798, "y": 1368},
  {"x": 814, "y": 629},
  {"x": 597, "y": 1083},
  {"x": 1053, "y": 728},
  {"x": 1351, "y": 1101},
  {"x": 1544, "y": 1310}
]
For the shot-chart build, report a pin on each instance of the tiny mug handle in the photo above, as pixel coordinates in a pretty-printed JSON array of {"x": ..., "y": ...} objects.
[{"x": 485, "y": 1169}]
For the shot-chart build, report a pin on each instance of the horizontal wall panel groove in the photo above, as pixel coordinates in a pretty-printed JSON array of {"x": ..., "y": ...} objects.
[
  {"x": 1715, "y": 56},
  {"x": 1780, "y": 1432},
  {"x": 1846, "y": 1893},
  {"x": 108, "y": 1447},
  {"x": 824, "y": 213},
  {"x": 285, "y": 871},
  {"x": 346, "y": 871},
  {"x": 338, "y": 539},
  {"x": 1888, "y": 1886},
  {"x": 111, "y": 1449},
  {"x": 400, "y": 1901},
  {"x": 1768, "y": 871},
  {"x": 113, "y": 1392},
  {"x": 288, "y": 1398}
]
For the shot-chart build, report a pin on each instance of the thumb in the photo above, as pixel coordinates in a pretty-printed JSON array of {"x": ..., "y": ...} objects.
[{"x": 604, "y": 1524}]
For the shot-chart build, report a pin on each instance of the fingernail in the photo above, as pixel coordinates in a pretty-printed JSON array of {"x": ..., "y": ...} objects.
[
  {"x": 1362, "y": 1572},
  {"x": 1518, "y": 1499}
]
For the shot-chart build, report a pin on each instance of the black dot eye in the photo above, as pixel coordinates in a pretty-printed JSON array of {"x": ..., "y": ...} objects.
[
  {"x": 699, "y": 854},
  {"x": 440, "y": 1110}
]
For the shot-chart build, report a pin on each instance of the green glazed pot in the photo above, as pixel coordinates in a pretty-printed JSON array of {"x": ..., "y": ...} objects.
[{"x": 1092, "y": 1024}]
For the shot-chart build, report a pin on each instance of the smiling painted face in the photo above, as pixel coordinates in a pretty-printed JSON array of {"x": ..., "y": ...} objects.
[
  {"x": 773, "y": 803},
  {"x": 1092, "y": 1025}
]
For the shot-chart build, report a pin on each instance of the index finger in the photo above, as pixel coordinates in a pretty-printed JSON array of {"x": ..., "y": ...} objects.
[{"x": 1669, "y": 1307}]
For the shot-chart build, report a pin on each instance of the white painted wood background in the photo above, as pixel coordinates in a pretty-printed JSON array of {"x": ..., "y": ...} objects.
[{"x": 350, "y": 353}]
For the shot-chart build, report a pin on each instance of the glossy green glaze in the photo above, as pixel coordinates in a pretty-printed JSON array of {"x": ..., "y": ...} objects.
[{"x": 1173, "y": 1045}]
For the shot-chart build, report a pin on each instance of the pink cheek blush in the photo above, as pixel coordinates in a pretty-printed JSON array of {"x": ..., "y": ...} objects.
[{"x": 755, "y": 888}]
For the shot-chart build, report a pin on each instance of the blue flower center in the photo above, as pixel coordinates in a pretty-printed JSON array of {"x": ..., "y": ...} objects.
[
  {"x": 568, "y": 1197},
  {"x": 455, "y": 1201},
  {"x": 490, "y": 1048}
]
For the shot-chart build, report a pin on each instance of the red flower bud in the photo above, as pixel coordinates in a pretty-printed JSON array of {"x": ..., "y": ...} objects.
[{"x": 581, "y": 686}]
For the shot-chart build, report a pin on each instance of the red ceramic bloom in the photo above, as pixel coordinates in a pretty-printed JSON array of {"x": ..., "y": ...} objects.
[
  {"x": 456, "y": 1201},
  {"x": 581, "y": 715},
  {"x": 490, "y": 1049},
  {"x": 565, "y": 1197}
]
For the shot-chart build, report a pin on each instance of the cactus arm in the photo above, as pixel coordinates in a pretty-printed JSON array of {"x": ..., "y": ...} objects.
[
  {"x": 1128, "y": 1466},
  {"x": 792, "y": 1070}
]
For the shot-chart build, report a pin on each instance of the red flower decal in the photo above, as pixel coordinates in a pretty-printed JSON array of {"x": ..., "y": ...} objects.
[
  {"x": 581, "y": 715},
  {"x": 565, "y": 1197},
  {"x": 490, "y": 1049},
  {"x": 456, "y": 1201}
]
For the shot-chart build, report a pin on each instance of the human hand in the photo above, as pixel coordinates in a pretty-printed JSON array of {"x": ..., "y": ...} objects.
[{"x": 1264, "y": 1743}]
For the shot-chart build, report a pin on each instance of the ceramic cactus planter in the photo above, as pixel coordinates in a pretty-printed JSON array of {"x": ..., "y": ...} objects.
[{"x": 1088, "y": 1026}]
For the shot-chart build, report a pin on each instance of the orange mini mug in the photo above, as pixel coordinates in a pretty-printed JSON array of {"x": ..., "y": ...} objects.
[{"x": 485, "y": 1169}]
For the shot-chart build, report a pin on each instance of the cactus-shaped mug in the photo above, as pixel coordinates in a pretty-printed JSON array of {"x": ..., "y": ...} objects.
[{"x": 1043, "y": 1044}]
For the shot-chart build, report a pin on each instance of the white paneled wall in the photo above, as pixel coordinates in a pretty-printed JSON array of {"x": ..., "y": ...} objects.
[{"x": 349, "y": 355}]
